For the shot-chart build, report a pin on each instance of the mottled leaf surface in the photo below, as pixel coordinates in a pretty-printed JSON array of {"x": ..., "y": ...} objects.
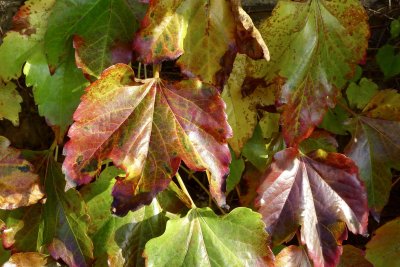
[
  {"x": 292, "y": 256},
  {"x": 147, "y": 127},
  {"x": 10, "y": 101},
  {"x": 303, "y": 38},
  {"x": 242, "y": 108},
  {"x": 32, "y": 259},
  {"x": 384, "y": 249},
  {"x": 375, "y": 145},
  {"x": 202, "y": 238},
  {"x": 19, "y": 184},
  {"x": 353, "y": 257},
  {"x": 322, "y": 193}
]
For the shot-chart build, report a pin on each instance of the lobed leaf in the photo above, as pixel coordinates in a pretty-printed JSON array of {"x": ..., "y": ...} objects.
[
  {"x": 147, "y": 127},
  {"x": 359, "y": 95},
  {"x": 19, "y": 184},
  {"x": 303, "y": 38},
  {"x": 375, "y": 146},
  {"x": 321, "y": 193},
  {"x": 202, "y": 238}
]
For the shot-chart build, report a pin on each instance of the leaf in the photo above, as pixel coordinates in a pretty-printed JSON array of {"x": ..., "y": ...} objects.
[
  {"x": 56, "y": 95},
  {"x": 359, "y": 95},
  {"x": 119, "y": 241},
  {"x": 292, "y": 256},
  {"x": 241, "y": 109},
  {"x": 375, "y": 146},
  {"x": 102, "y": 30},
  {"x": 388, "y": 61},
  {"x": 236, "y": 169},
  {"x": 334, "y": 119},
  {"x": 395, "y": 28},
  {"x": 147, "y": 127},
  {"x": 32, "y": 259},
  {"x": 269, "y": 124},
  {"x": 319, "y": 140},
  {"x": 303, "y": 38},
  {"x": 321, "y": 192},
  {"x": 383, "y": 249},
  {"x": 10, "y": 102},
  {"x": 30, "y": 24},
  {"x": 19, "y": 185},
  {"x": 353, "y": 257},
  {"x": 203, "y": 239}
]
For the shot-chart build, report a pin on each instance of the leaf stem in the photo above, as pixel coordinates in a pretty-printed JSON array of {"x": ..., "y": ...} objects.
[
  {"x": 183, "y": 187},
  {"x": 156, "y": 71},
  {"x": 145, "y": 71},
  {"x": 139, "y": 69}
]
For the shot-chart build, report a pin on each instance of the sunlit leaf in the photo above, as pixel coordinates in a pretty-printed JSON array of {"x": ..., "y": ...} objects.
[
  {"x": 375, "y": 145},
  {"x": 10, "y": 102},
  {"x": 383, "y": 249},
  {"x": 353, "y": 257},
  {"x": 314, "y": 47},
  {"x": 19, "y": 184},
  {"x": 147, "y": 127},
  {"x": 202, "y": 238},
  {"x": 321, "y": 193},
  {"x": 31, "y": 259},
  {"x": 292, "y": 256}
]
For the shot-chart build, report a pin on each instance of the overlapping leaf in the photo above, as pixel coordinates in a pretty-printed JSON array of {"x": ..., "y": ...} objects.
[
  {"x": 375, "y": 146},
  {"x": 147, "y": 127},
  {"x": 201, "y": 238},
  {"x": 202, "y": 33},
  {"x": 322, "y": 193},
  {"x": 32, "y": 259},
  {"x": 19, "y": 184},
  {"x": 353, "y": 257},
  {"x": 10, "y": 102},
  {"x": 314, "y": 46},
  {"x": 242, "y": 108},
  {"x": 119, "y": 241},
  {"x": 292, "y": 256},
  {"x": 383, "y": 249}
]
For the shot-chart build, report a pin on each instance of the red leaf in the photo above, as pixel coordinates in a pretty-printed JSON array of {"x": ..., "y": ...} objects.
[
  {"x": 319, "y": 192},
  {"x": 147, "y": 127}
]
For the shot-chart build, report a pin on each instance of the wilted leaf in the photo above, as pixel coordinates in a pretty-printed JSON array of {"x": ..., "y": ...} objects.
[
  {"x": 353, "y": 257},
  {"x": 359, "y": 95},
  {"x": 241, "y": 108},
  {"x": 31, "y": 259},
  {"x": 320, "y": 192},
  {"x": 292, "y": 256},
  {"x": 30, "y": 24},
  {"x": 303, "y": 38},
  {"x": 375, "y": 145},
  {"x": 103, "y": 32},
  {"x": 19, "y": 185},
  {"x": 147, "y": 127},
  {"x": 202, "y": 238},
  {"x": 10, "y": 102},
  {"x": 383, "y": 249},
  {"x": 119, "y": 241}
]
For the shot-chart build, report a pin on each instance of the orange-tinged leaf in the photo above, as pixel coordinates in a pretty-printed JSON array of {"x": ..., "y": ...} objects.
[
  {"x": 322, "y": 193},
  {"x": 353, "y": 257},
  {"x": 292, "y": 256},
  {"x": 147, "y": 127},
  {"x": 19, "y": 185},
  {"x": 31, "y": 259}
]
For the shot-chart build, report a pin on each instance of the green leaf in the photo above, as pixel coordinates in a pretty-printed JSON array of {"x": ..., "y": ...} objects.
[
  {"x": 353, "y": 257},
  {"x": 236, "y": 169},
  {"x": 103, "y": 31},
  {"x": 319, "y": 140},
  {"x": 4, "y": 255},
  {"x": 359, "y": 95},
  {"x": 315, "y": 46},
  {"x": 202, "y": 238},
  {"x": 241, "y": 108},
  {"x": 334, "y": 120},
  {"x": 395, "y": 28},
  {"x": 269, "y": 124},
  {"x": 18, "y": 46},
  {"x": 388, "y": 61},
  {"x": 10, "y": 102},
  {"x": 119, "y": 240},
  {"x": 383, "y": 249}
]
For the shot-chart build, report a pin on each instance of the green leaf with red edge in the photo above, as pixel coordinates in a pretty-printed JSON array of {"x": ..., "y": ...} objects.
[
  {"x": 383, "y": 249},
  {"x": 292, "y": 256},
  {"x": 375, "y": 145},
  {"x": 353, "y": 257},
  {"x": 203, "y": 34},
  {"x": 315, "y": 45},
  {"x": 147, "y": 127},
  {"x": 202, "y": 238},
  {"x": 19, "y": 184},
  {"x": 321, "y": 192},
  {"x": 10, "y": 102},
  {"x": 102, "y": 31}
]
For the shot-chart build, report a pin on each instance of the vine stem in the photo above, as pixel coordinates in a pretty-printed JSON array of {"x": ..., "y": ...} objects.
[{"x": 183, "y": 187}]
